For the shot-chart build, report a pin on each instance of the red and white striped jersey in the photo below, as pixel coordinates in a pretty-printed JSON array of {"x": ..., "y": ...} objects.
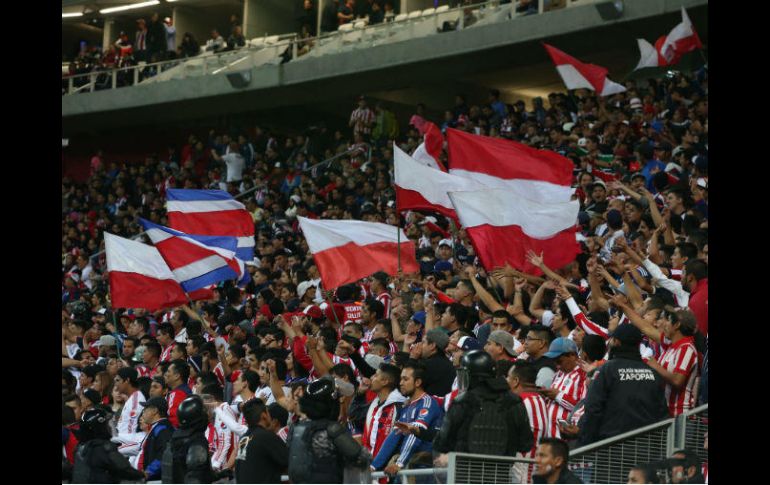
[
  {"x": 537, "y": 410},
  {"x": 385, "y": 299},
  {"x": 224, "y": 442},
  {"x": 219, "y": 371},
  {"x": 572, "y": 388},
  {"x": 128, "y": 423},
  {"x": 145, "y": 371},
  {"x": 165, "y": 353},
  {"x": 283, "y": 433},
  {"x": 210, "y": 436},
  {"x": 352, "y": 312},
  {"x": 676, "y": 274},
  {"x": 583, "y": 322},
  {"x": 380, "y": 420},
  {"x": 681, "y": 357},
  {"x": 705, "y": 471}
]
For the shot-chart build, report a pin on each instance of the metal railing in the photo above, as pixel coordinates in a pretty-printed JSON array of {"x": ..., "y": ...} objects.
[
  {"x": 694, "y": 424},
  {"x": 606, "y": 461},
  {"x": 482, "y": 13}
]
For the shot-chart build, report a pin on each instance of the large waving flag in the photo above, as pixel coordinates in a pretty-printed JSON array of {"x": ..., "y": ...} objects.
[
  {"x": 669, "y": 49},
  {"x": 212, "y": 213},
  {"x": 346, "y": 251},
  {"x": 429, "y": 151},
  {"x": 503, "y": 226},
  {"x": 419, "y": 187},
  {"x": 196, "y": 261},
  {"x": 139, "y": 277},
  {"x": 541, "y": 175},
  {"x": 576, "y": 74}
]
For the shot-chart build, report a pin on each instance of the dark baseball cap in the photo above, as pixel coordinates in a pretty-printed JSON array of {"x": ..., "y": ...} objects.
[
  {"x": 628, "y": 334},
  {"x": 158, "y": 403}
]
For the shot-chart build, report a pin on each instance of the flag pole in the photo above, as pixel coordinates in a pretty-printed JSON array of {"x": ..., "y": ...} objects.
[{"x": 331, "y": 305}]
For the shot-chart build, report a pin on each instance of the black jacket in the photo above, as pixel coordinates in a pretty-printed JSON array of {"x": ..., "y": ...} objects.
[
  {"x": 186, "y": 458},
  {"x": 439, "y": 375},
  {"x": 98, "y": 461},
  {"x": 565, "y": 476},
  {"x": 625, "y": 395},
  {"x": 455, "y": 429},
  {"x": 155, "y": 445},
  {"x": 262, "y": 457}
]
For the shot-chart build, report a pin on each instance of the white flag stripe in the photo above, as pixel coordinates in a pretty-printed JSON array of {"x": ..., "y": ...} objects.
[
  {"x": 195, "y": 206},
  {"x": 611, "y": 87},
  {"x": 681, "y": 31},
  {"x": 431, "y": 183},
  {"x": 161, "y": 235},
  {"x": 422, "y": 156},
  {"x": 326, "y": 234},
  {"x": 246, "y": 242},
  {"x": 649, "y": 56},
  {"x": 198, "y": 268},
  {"x": 537, "y": 190},
  {"x": 129, "y": 256},
  {"x": 572, "y": 77},
  {"x": 537, "y": 220}
]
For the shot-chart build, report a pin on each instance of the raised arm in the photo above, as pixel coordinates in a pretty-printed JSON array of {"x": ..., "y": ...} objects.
[
  {"x": 621, "y": 303},
  {"x": 654, "y": 251},
  {"x": 580, "y": 318},
  {"x": 536, "y": 305},
  {"x": 594, "y": 281},
  {"x": 536, "y": 260},
  {"x": 482, "y": 293},
  {"x": 276, "y": 387},
  {"x": 517, "y": 309},
  {"x": 616, "y": 184},
  {"x": 654, "y": 212},
  {"x": 430, "y": 315},
  {"x": 634, "y": 296}
]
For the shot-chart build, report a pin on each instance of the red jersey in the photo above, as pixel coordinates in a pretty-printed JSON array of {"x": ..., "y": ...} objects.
[
  {"x": 385, "y": 299},
  {"x": 572, "y": 388},
  {"x": 145, "y": 371},
  {"x": 165, "y": 354},
  {"x": 537, "y": 410},
  {"x": 681, "y": 358},
  {"x": 380, "y": 421},
  {"x": 174, "y": 399}
]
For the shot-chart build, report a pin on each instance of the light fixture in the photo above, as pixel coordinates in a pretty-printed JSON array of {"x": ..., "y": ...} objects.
[
  {"x": 71, "y": 14},
  {"x": 129, "y": 7}
]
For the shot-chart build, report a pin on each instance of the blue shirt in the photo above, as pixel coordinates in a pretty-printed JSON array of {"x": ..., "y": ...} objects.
[
  {"x": 425, "y": 413},
  {"x": 647, "y": 171}
]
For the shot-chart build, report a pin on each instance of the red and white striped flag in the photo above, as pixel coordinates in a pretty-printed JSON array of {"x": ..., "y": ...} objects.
[
  {"x": 540, "y": 175},
  {"x": 419, "y": 187},
  {"x": 346, "y": 251},
  {"x": 669, "y": 49},
  {"x": 503, "y": 226},
  {"x": 429, "y": 151},
  {"x": 576, "y": 74}
]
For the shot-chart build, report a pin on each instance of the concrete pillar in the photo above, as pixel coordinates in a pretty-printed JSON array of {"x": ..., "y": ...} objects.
[
  {"x": 187, "y": 20},
  {"x": 409, "y": 6},
  {"x": 271, "y": 17},
  {"x": 109, "y": 35}
]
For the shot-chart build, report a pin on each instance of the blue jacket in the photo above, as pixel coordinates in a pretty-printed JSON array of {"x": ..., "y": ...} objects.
[{"x": 425, "y": 413}]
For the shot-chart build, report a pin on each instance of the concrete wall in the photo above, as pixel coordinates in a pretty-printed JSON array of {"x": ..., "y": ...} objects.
[{"x": 271, "y": 17}]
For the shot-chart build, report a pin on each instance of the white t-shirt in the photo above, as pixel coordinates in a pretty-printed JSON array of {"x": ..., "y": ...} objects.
[{"x": 235, "y": 165}]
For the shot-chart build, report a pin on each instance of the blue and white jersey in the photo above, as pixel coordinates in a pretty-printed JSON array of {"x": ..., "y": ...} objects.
[{"x": 424, "y": 412}]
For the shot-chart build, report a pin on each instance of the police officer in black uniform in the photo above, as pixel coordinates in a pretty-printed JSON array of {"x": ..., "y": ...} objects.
[
  {"x": 487, "y": 418},
  {"x": 625, "y": 395},
  {"x": 320, "y": 447},
  {"x": 186, "y": 459},
  {"x": 97, "y": 459}
]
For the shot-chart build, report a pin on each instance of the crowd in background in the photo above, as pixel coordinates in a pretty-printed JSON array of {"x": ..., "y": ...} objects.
[{"x": 641, "y": 177}]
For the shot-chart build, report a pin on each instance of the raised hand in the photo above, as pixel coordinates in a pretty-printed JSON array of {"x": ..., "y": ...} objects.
[{"x": 534, "y": 259}]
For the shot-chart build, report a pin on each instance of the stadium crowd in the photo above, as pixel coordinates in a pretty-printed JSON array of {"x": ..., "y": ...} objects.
[{"x": 638, "y": 293}]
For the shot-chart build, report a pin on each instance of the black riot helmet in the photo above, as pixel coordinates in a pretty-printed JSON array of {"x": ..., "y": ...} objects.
[
  {"x": 320, "y": 399},
  {"x": 94, "y": 424},
  {"x": 475, "y": 366},
  {"x": 192, "y": 413}
]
